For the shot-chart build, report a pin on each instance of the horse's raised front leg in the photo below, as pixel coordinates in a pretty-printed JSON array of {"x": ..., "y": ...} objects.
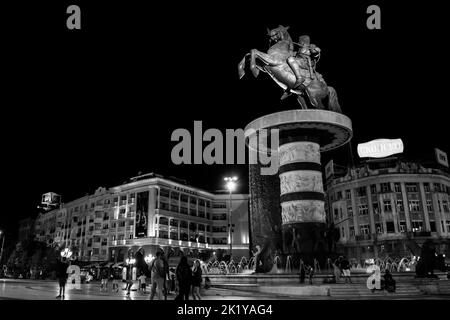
[
  {"x": 241, "y": 66},
  {"x": 263, "y": 57}
]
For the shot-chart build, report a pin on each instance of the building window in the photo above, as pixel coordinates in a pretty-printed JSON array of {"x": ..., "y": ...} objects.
[
  {"x": 387, "y": 205},
  {"x": 339, "y": 195},
  {"x": 397, "y": 187},
  {"x": 417, "y": 225},
  {"x": 164, "y": 193},
  {"x": 390, "y": 228},
  {"x": 376, "y": 208},
  {"x": 400, "y": 206},
  {"x": 414, "y": 205},
  {"x": 432, "y": 226},
  {"x": 350, "y": 212},
  {"x": 336, "y": 213},
  {"x": 363, "y": 209},
  {"x": 364, "y": 228},
  {"x": 348, "y": 194},
  {"x": 379, "y": 228},
  {"x": 352, "y": 231},
  {"x": 445, "y": 206},
  {"x": 402, "y": 226},
  {"x": 429, "y": 206},
  {"x": 448, "y": 226},
  {"x": 385, "y": 187},
  {"x": 373, "y": 188},
  {"x": 426, "y": 187},
  {"x": 361, "y": 192},
  {"x": 411, "y": 187},
  {"x": 437, "y": 187}
]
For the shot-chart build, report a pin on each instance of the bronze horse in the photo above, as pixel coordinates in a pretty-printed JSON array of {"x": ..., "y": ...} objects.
[{"x": 274, "y": 63}]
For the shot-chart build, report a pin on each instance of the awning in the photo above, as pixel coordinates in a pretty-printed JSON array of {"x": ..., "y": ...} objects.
[{"x": 106, "y": 264}]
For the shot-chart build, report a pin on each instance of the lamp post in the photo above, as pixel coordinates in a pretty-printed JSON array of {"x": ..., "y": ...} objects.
[
  {"x": 230, "y": 185},
  {"x": 2, "y": 233}
]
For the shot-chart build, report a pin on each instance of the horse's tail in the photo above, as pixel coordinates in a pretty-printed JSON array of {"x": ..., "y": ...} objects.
[
  {"x": 333, "y": 103},
  {"x": 241, "y": 66}
]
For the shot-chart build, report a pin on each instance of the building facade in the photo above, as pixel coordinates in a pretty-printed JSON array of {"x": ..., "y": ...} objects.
[
  {"x": 148, "y": 212},
  {"x": 389, "y": 208}
]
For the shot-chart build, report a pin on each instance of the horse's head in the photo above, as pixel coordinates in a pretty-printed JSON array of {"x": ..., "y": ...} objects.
[{"x": 278, "y": 34}]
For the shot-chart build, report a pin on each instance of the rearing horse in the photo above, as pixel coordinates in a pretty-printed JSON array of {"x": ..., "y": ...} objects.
[{"x": 274, "y": 64}]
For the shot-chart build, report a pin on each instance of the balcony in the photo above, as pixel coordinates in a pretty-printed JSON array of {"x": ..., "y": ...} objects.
[
  {"x": 98, "y": 208},
  {"x": 418, "y": 234},
  {"x": 364, "y": 237}
]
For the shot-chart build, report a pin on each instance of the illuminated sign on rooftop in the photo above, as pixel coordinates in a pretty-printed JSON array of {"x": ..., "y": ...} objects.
[{"x": 380, "y": 148}]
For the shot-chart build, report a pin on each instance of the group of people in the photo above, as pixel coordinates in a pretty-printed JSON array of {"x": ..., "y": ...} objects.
[
  {"x": 185, "y": 280},
  {"x": 341, "y": 267}
]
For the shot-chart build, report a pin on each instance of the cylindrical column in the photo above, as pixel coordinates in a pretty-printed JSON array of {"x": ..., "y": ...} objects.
[{"x": 302, "y": 199}]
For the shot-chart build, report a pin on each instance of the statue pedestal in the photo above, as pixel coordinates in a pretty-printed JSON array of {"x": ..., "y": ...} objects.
[{"x": 288, "y": 207}]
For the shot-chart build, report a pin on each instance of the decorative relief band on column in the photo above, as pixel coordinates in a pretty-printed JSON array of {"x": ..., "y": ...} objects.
[
  {"x": 307, "y": 195},
  {"x": 299, "y": 152},
  {"x": 301, "y": 181},
  {"x": 302, "y": 211},
  {"x": 300, "y": 166}
]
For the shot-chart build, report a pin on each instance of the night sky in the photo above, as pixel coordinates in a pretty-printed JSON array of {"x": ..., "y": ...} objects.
[{"x": 90, "y": 108}]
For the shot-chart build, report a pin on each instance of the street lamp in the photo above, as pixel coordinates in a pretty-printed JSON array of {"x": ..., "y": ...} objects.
[
  {"x": 231, "y": 186},
  {"x": 66, "y": 253},
  {"x": 3, "y": 244}
]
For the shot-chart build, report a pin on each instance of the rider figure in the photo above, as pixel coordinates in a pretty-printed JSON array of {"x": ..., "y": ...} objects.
[{"x": 305, "y": 58}]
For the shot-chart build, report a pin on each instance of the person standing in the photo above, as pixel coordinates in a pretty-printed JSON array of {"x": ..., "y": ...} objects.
[
  {"x": 184, "y": 277},
  {"x": 337, "y": 269},
  {"x": 345, "y": 265},
  {"x": 129, "y": 279},
  {"x": 61, "y": 271},
  {"x": 142, "y": 283},
  {"x": 158, "y": 276},
  {"x": 196, "y": 280}
]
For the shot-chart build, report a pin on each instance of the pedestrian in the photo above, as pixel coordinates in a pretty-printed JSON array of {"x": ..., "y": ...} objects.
[
  {"x": 142, "y": 283},
  {"x": 104, "y": 275},
  {"x": 345, "y": 265},
  {"x": 337, "y": 269},
  {"x": 302, "y": 272},
  {"x": 129, "y": 278},
  {"x": 172, "y": 280},
  {"x": 115, "y": 279},
  {"x": 389, "y": 282},
  {"x": 310, "y": 273},
  {"x": 166, "y": 285},
  {"x": 158, "y": 276},
  {"x": 196, "y": 280},
  {"x": 61, "y": 270},
  {"x": 184, "y": 279}
]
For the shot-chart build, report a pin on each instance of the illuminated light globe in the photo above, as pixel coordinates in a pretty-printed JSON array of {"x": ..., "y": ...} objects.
[
  {"x": 149, "y": 258},
  {"x": 231, "y": 183},
  {"x": 130, "y": 261},
  {"x": 66, "y": 253}
]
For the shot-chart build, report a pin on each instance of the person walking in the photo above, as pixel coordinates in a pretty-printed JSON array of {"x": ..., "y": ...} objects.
[
  {"x": 129, "y": 279},
  {"x": 61, "y": 272},
  {"x": 184, "y": 279},
  {"x": 345, "y": 265},
  {"x": 104, "y": 275},
  {"x": 158, "y": 276},
  {"x": 115, "y": 275},
  {"x": 196, "y": 280}
]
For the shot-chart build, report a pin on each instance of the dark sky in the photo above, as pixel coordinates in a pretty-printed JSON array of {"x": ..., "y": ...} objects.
[{"x": 91, "y": 108}]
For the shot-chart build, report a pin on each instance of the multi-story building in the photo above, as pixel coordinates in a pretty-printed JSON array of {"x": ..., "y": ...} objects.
[
  {"x": 151, "y": 212},
  {"x": 26, "y": 229},
  {"x": 390, "y": 207}
]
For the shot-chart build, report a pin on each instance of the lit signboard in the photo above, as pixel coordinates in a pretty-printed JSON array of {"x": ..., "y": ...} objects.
[
  {"x": 329, "y": 169},
  {"x": 441, "y": 157},
  {"x": 380, "y": 148}
]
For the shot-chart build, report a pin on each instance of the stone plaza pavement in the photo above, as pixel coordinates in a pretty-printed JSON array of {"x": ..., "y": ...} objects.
[{"x": 20, "y": 289}]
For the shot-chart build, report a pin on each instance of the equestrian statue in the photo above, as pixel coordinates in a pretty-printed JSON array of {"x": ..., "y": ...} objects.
[{"x": 293, "y": 70}]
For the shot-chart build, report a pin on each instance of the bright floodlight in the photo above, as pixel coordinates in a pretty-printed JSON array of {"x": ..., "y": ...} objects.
[
  {"x": 66, "y": 253},
  {"x": 231, "y": 183}
]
